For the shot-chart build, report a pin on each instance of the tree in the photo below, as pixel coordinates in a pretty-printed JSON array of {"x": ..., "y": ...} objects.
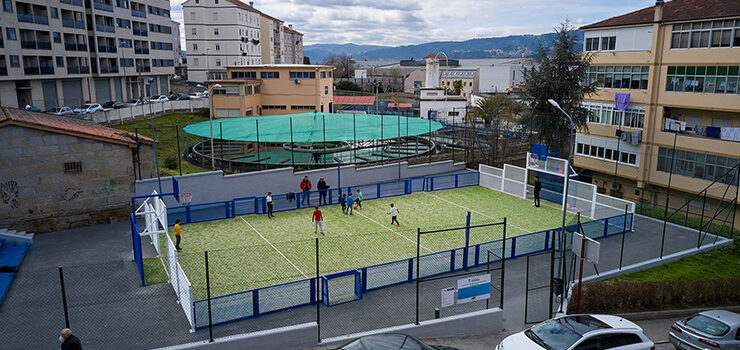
[
  {"x": 560, "y": 77},
  {"x": 496, "y": 111},
  {"x": 457, "y": 87},
  {"x": 306, "y": 60},
  {"x": 344, "y": 63}
]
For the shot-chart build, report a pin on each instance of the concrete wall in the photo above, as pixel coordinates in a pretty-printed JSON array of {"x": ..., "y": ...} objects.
[
  {"x": 117, "y": 116},
  {"x": 214, "y": 186},
  {"x": 37, "y": 195}
]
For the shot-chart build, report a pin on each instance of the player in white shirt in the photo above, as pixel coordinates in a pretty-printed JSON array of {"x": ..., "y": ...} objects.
[{"x": 394, "y": 213}]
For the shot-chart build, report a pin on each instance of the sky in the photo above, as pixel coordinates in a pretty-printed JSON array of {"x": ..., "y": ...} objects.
[{"x": 408, "y": 22}]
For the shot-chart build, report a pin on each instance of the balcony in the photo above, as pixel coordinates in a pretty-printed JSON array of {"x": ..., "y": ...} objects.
[
  {"x": 47, "y": 70},
  {"x": 143, "y": 69},
  {"x": 43, "y": 45},
  {"x": 3, "y": 71},
  {"x": 70, "y": 47},
  {"x": 79, "y": 24},
  {"x": 41, "y": 19},
  {"x": 32, "y": 70},
  {"x": 28, "y": 18},
  {"x": 141, "y": 51},
  {"x": 104, "y": 70},
  {"x": 105, "y": 28},
  {"x": 72, "y": 2},
  {"x": 701, "y": 131},
  {"x": 28, "y": 44},
  {"x": 102, "y": 6},
  {"x": 2, "y": 43},
  {"x": 141, "y": 14},
  {"x": 140, "y": 32},
  {"x": 73, "y": 70},
  {"x": 68, "y": 23},
  {"x": 84, "y": 70},
  {"x": 81, "y": 47},
  {"x": 104, "y": 48}
]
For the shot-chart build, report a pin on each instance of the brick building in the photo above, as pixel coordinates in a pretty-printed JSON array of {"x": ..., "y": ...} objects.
[{"x": 62, "y": 172}]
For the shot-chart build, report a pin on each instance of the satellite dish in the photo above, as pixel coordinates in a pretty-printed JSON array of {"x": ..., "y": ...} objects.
[{"x": 297, "y": 81}]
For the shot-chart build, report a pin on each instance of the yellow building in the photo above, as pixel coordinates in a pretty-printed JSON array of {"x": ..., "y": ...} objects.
[
  {"x": 680, "y": 62},
  {"x": 272, "y": 89}
]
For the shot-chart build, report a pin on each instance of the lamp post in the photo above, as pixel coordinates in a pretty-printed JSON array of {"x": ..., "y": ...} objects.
[
  {"x": 565, "y": 191},
  {"x": 210, "y": 118}
]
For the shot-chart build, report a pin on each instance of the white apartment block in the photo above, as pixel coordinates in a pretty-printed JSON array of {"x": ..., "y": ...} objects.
[
  {"x": 68, "y": 52},
  {"x": 220, "y": 33},
  {"x": 176, "y": 45}
]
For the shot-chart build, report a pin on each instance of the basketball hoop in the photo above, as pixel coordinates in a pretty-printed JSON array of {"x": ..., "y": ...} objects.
[{"x": 186, "y": 198}]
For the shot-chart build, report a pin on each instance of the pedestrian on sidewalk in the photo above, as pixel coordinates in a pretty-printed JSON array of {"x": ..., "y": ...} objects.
[
  {"x": 69, "y": 340},
  {"x": 318, "y": 219},
  {"x": 270, "y": 204}
]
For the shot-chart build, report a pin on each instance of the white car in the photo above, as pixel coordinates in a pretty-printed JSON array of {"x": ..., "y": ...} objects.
[
  {"x": 160, "y": 98},
  {"x": 580, "y": 332},
  {"x": 63, "y": 110},
  {"x": 132, "y": 102},
  {"x": 88, "y": 108},
  {"x": 713, "y": 329}
]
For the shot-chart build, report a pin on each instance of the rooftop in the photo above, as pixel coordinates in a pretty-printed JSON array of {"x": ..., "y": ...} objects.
[
  {"x": 676, "y": 10},
  {"x": 67, "y": 125},
  {"x": 282, "y": 66},
  {"x": 354, "y": 100}
]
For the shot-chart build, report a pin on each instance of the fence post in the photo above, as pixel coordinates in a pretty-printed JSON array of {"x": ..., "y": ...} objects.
[
  {"x": 624, "y": 233},
  {"x": 701, "y": 219},
  {"x": 503, "y": 266},
  {"x": 64, "y": 297},
  {"x": 208, "y": 293},
  {"x": 467, "y": 241},
  {"x": 606, "y": 225},
  {"x": 418, "y": 267},
  {"x": 318, "y": 304}
]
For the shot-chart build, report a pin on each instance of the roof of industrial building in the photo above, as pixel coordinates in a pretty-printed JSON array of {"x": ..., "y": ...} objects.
[
  {"x": 354, "y": 100},
  {"x": 67, "y": 125},
  {"x": 676, "y": 10}
]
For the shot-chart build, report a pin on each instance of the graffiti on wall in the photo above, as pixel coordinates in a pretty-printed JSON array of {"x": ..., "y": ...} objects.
[
  {"x": 71, "y": 194},
  {"x": 9, "y": 193}
]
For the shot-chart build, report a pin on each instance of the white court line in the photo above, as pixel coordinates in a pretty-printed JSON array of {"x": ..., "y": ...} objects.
[
  {"x": 396, "y": 232},
  {"x": 477, "y": 212},
  {"x": 273, "y": 247}
]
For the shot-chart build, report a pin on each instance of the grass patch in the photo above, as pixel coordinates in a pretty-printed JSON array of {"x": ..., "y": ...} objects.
[
  {"x": 167, "y": 140},
  {"x": 155, "y": 272},
  {"x": 721, "y": 263},
  {"x": 688, "y": 221}
]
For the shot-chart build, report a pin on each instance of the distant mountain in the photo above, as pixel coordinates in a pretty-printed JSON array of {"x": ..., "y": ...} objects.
[{"x": 508, "y": 46}]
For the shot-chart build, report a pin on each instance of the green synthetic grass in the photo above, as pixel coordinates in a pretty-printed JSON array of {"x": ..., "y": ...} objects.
[
  {"x": 721, "y": 263},
  {"x": 167, "y": 139},
  {"x": 241, "y": 259}
]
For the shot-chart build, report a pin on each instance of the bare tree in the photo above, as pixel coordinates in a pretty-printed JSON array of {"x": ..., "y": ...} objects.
[{"x": 344, "y": 64}]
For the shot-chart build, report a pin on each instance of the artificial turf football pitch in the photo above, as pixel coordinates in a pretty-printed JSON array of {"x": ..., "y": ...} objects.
[{"x": 253, "y": 251}]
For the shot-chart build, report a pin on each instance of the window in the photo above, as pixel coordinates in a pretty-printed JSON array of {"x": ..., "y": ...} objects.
[
  {"x": 604, "y": 113},
  {"x": 195, "y": 47},
  {"x": 257, "y": 89},
  {"x": 704, "y": 79},
  {"x": 122, "y": 3},
  {"x": 15, "y": 61},
  {"x": 218, "y": 62},
  {"x": 10, "y": 33},
  {"x": 243, "y": 75},
  {"x": 192, "y": 16},
  {"x": 326, "y": 90},
  {"x": 696, "y": 165},
  {"x": 227, "y": 90},
  {"x": 302, "y": 75},
  {"x": 273, "y": 107},
  {"x": 194, "y": 31},
  {"x": 270, "y": 75},
  {"x": 197, "y": 2},
  {"x": 619, "y": 77},
  {"x": 60, "y": 61},
  {"x": 592, "y": 44},
  {"x": 72, "y": 167},
  {"x": 127, "y": 62},
  {"x": 195, "y": 62},
  {"x": 303, "y": 108},
  {"x": 608, "y": 43},
  {"x": 218, "y": 47},
  {"x": 216, "y": 1},
  {"x": 706, "y": 34},
  {"x": 8, "y": 5},
  {"x": 123, "y": 23},
  {"x": 124, "y": 42},
  {"x": 215, "y": 16},
  {"x": 215, "y": 31},
  {"x": 57, "y": 37},
  {"x": 54, "y": 12}
]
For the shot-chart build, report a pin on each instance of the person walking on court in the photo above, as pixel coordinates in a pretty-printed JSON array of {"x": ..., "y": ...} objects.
[
  {"x": 305, "y": 187},
  {"x": 537, "y": 189},
  {"x": 322, "y": 187},
  {"x": 358, "y": 200},
  {"x": 270, "y": 204},
  {"x": 318, "y": 219},
  {"x": 178, "y": 235},
  {"x": 69, "y": 340},
  {"x": 350, "y": 203},
  {"x": 343, "y": 202},
  {"x": 394, "y": 212}
]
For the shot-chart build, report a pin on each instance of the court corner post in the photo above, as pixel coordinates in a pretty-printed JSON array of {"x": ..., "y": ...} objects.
[
  {"x": 467, "y": 241},
  {"x": 318, "y": 295},
  {"x": 208, "y": 294},
  {"x": 418, "y": 267},
  {"x": 503, "y": 264}
]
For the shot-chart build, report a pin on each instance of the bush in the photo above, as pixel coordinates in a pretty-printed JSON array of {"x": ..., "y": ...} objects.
[
  {"x": 609, "y": 297},
  {"x": 347, "y": 85},
  {"x": 170, "y": 162}
]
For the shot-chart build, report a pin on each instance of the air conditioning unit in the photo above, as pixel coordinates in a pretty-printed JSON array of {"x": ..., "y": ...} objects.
[{"x": 297, "y": 81}]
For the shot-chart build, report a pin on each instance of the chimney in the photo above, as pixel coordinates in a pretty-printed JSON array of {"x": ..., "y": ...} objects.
[
  {"x": 251, "y": 3},
  {"x": 658, "y": 11},
  {"x": 290, "y": 26}
]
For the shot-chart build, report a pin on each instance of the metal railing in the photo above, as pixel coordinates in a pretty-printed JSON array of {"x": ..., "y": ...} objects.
[{"x": 102, "y": 6}]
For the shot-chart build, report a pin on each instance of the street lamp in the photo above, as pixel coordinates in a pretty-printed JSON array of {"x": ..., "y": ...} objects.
[
  {"x": 565, "y": 191},
  {"x": 210, "y": 117}
]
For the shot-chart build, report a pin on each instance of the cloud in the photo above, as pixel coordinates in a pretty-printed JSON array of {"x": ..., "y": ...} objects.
[{"x": 403, "y": 22}]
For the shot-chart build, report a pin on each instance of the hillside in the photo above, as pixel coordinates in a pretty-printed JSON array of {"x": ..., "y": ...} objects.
[{"x": 509, "y": 46}]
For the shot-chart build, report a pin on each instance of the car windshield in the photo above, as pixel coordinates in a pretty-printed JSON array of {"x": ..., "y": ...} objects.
[
  {"x": 82, "y": 107},
  {"x": 561, "y": 333},
  {"x": 707, "y": 325}
]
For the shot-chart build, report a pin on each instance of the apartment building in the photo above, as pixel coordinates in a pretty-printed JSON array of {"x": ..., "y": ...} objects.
[
  {"x": 68, "y": 52},
  {"x": 176, "y": 44},
  {"x": 272, "y": 30},
  {"x": 680, "y": 63},
  {"x": 273, "y": 89},
  {"x": 293, "y": 42}
]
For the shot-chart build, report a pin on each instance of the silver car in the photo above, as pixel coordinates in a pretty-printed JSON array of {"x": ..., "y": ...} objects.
[
  {"x": 714, "y": 329},
  {"x": 63, "y": 110}
]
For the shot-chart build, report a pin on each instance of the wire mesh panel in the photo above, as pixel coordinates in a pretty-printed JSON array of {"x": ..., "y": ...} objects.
[
  {"x": 514, "y": 180},
  {"x": 395, "y": 188},
  {"x": 342, "y": 287},
  {"x": 581, "y": 198},
  {"x": 177, "y": 213},
  {"x": 244, "y": 206},
  {"x": 443, "y": 182},
  {"x": 530, "y": 243},
  {"x": 417, "y": 184},
  {"x": 607, "y": 206},
  {"x": 537, "y": 299},
  {"x": 209, "y": 211},
  {"x": 387, "y": 274},
  {"x": 468, "y": 179},
  {"x": 434, "y": 264},
  {"x": 285, "y": 296},
  {"x": 224, "y": 309}
]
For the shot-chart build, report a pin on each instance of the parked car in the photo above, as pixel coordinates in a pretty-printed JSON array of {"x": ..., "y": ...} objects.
[
  {"x": 713, "y": 329},
  {"x": 112, "y": 104},
  {"x": 580, "y": 332},
  {"x": 390, "y": 341},
  {"x": 63, "y": 110},
  {"x": 160, "y": 98},
  {"x": 88, "y": 108},
  {"x": 178, "y": 97},
  {"x": 132, "y": 102}
]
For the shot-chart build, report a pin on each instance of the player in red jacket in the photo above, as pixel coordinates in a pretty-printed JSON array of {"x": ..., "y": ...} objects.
[{"x": 306, "y": 187}]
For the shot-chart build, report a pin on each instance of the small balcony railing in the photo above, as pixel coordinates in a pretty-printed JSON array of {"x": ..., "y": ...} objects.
[
  {"x": 102, "y": 6},
  {"x": 3, "y": 70},
  {"x": 70, "y": 47},
  {"x": 68, "y": 23},
  {"x": 79, "y": 24},
  {"x": 28, "y": 18},
  {"x": 81, "y": 47},
  {"x": 84, "y": 69},
  {"x": 136, "y": 13},
  {"x": 73, "y": 70},
  {"x": 31, "y": 70},
  {"x": 41, "y": 19},
  {"x": 140, "y": 32},
  {"x": 43, "y": 45},
  {"x": 72, "y": 2},
  {"x": 47, "y": 70},
  {"x": 141, "y": 51},
  {"x": 105, "y": 28},
  {"x": 143, "y": 69},
  {"x": 28, "y": 44}
]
